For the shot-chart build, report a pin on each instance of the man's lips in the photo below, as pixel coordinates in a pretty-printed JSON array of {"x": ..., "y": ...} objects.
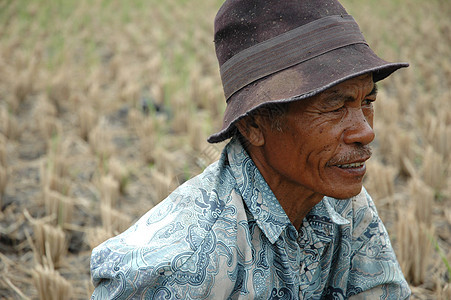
[
  {"x": 351, "y": 165},
  {"x": 352, "y": 168}
]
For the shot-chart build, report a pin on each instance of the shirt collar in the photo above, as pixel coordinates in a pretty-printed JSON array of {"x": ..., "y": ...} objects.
[
  {"x": 266, "y": 209},
  {"x": 260, "y": 200},
  {"x": 324, "y": 217}
]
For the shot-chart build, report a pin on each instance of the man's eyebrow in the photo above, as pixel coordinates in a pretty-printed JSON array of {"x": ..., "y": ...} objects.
[{"x": 336, "y": 96}]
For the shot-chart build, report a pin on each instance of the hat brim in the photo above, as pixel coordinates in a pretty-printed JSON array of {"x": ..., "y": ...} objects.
[{"x": 303, "y": 81}]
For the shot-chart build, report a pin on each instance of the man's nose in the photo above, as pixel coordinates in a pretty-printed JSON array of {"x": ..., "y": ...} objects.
[{"x": 359, "y": 129}]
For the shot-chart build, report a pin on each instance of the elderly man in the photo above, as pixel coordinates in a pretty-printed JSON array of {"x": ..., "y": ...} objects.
[{"x": 282, "y": 214}]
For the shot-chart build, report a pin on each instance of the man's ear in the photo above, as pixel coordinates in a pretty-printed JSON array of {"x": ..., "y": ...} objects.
[{"x": 252, "y": 130}]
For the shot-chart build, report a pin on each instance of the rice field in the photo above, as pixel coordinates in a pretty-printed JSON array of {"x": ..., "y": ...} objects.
[{"x": 105, "y": 107}]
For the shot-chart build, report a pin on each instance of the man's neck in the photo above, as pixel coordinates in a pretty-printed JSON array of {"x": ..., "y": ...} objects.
[{"x": 297, "y": 201}]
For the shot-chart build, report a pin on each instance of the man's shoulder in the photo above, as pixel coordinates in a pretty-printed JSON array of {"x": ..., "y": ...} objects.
[{"x": 175, "y": 227}]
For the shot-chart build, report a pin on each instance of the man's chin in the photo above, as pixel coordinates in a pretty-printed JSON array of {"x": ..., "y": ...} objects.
[{"x": 346, "y": 194}]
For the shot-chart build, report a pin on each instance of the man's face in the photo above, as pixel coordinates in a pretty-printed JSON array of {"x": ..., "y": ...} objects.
[{"x": 324, "y": 141}]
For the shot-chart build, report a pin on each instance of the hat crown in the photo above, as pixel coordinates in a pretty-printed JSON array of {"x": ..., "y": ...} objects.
[{"x": 240, "y": 24}]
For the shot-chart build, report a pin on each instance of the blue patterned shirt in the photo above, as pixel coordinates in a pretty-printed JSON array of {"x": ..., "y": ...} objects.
[{"x": 224, "y": 235}]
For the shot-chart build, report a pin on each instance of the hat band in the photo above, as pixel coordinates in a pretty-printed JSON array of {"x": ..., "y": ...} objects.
[{"x": 288, "y": 49}]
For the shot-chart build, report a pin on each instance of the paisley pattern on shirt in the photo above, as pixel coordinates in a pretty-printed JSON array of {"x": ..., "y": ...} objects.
[{"x": 224, "y": 235}]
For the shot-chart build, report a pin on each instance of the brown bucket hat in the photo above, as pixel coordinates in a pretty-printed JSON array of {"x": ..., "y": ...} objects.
[{"x": 273, "y": 51}]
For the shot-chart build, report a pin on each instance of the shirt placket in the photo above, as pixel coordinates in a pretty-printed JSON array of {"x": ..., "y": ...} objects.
[{"x": 311, "y": 248}]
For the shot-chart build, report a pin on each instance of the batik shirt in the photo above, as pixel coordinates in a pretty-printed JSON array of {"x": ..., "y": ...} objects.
[{"x": 224, "y": 235}]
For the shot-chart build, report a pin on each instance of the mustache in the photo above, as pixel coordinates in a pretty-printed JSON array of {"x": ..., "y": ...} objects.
[{"x": 357, "y": 154}]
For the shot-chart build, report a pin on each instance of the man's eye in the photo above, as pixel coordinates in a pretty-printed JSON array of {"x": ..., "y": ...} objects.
[
  {"x": 367, "y": 101},
  {"x": 338, "y": 109}
]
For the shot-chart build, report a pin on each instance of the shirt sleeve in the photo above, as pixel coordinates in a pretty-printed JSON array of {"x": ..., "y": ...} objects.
[
  {"x": 166, "y": 254},
  {"x": 117, "y": 289},
  {"x": 137, "y": 263},
  {"x": 375, "y": 272},
  {"x": 120, "y": 273}
]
